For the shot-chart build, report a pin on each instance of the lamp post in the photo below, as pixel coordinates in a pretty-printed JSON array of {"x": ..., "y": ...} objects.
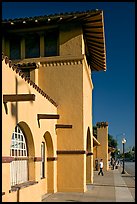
[{"x": 123, "y": 142}]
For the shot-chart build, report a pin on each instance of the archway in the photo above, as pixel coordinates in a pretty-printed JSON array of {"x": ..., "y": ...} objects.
[
  {"x": 88, "y": 158},
  {"x": 50, "y": 164},
  {"x": 30, "y": 148}
]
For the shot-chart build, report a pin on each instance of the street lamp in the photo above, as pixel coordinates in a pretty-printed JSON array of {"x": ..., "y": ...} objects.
[{"x": 123, "y": 142}]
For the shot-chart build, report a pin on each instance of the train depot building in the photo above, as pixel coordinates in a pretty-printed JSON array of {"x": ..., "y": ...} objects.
[{"x": 47, "y": 135}]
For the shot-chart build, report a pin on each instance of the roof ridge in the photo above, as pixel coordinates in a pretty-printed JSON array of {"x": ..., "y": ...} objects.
[
  {"x": 30, "y": 82},
  {"x": 52, "y": 15}
]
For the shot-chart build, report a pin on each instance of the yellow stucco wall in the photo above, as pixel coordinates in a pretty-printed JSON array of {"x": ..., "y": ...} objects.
[
  {"x": 61, "y": 83},
  {"x": 25, "y": 113},
  {"x": 71, "y": 40},
  {"x": 71, "y": 175},
  {"x": 67, "y": 91},
  {"x": 66, "y": 79},
  {"x": 87, "y": 118},
  {"x": 28, "y": 194}
]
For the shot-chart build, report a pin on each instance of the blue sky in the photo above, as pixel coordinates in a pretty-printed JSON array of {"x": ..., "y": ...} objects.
[{"x": 114, "y": 90}]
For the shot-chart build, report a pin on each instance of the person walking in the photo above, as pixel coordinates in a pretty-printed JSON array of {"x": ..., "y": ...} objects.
[
  {"x": 101, "y": 167},
  {"x": 113, "y": 163}
]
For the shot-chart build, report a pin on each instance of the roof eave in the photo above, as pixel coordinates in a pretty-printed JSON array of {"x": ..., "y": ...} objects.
[{"x": 93, "y": 30}]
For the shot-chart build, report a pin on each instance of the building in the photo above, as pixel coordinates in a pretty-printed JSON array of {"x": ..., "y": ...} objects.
[
  {"x": 47, "y": 137},
  {"x": 101, "y": 149}
]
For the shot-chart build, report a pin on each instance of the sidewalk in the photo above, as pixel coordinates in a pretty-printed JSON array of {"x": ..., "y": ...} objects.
[{"x": 112, "y": 187}]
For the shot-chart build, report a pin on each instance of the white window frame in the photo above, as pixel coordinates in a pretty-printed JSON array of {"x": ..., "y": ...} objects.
[{"x": 18, "y": 150}]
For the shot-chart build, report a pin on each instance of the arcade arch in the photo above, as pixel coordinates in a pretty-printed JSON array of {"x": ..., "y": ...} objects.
[
  {"x": 89, "y": 157},
  {"x": 49, "y": 161}
]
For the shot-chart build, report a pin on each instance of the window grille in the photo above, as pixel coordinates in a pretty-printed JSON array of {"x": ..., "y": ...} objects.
[{"x": 18, "y": 150}]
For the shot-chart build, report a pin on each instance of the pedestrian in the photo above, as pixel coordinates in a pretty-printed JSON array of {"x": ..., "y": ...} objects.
[
  {"x": 96, "y": 165},
  {"x": 113, "y": 163},
  {"x": 101, "y": 167}
]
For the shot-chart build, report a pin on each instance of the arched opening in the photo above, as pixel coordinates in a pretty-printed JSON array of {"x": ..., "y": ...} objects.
[
  {"x": 23, "y": 152},
  {"x": 31, "y": 149},
  {"x": 50, "y": 163},
  {"x": 88, "y": 158}
]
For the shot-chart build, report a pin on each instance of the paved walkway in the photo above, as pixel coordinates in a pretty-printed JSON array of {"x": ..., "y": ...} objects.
[{"x": 112, "y": 187}]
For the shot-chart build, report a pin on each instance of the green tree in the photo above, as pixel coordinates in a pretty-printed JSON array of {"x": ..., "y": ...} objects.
[
  {"x": 133, "y": 148},
  {"x": 112, "y": 142}
]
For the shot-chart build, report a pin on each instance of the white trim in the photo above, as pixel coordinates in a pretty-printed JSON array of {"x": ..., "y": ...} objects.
[{"x": 18, "y": 149}]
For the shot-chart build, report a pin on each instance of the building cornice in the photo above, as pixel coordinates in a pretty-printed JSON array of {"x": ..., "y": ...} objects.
[{"x": 53, "y": 61}]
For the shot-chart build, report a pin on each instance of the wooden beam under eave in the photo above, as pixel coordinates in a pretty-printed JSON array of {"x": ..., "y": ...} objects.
[
  {"x": 63, "y": 126},
  {"x": 94, "y": 17},
  {"x": 97, "y": 66},
  {"x": 93, "y": 30},
  {"x": 47, "y": 116},
  {"x": 18, "y": 97}
]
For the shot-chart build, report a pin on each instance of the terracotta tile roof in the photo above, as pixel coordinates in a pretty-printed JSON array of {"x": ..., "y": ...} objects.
[
  {"x": 16, "y": 68},
  {"x": 61, "y": 16},
  {"x": 91, "y": 21}
]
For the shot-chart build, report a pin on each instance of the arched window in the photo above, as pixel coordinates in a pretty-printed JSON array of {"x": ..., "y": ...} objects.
[{"x": 18, "y": 150}]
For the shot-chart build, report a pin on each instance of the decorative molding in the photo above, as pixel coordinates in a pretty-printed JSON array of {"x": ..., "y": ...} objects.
[
  {"x": 101, "y": 124},
  {"x": 74, "y": 152},
  {"x": 71, "y": 152},
  {"x": 89, "y": 153},
  {"x": 7, "y": 159},
  {"x": 62, "y": 126},
  {"x": 51, "y": 158},
  {"x": 21, "y": 158},
  {"x": 62, "y": 63},
  {"x": 37, "y": 159}
]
